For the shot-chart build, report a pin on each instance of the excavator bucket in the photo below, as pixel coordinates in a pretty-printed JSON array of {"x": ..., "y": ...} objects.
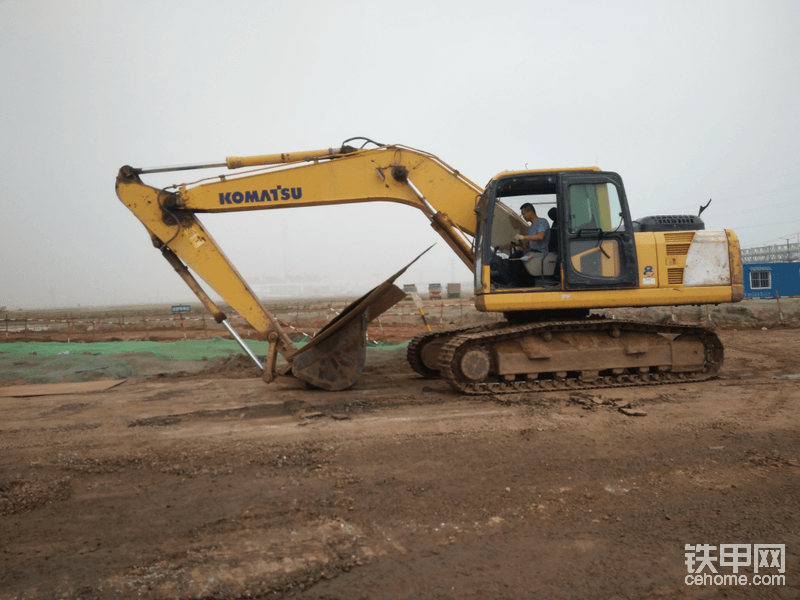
[{"x": 335, "y": 358}]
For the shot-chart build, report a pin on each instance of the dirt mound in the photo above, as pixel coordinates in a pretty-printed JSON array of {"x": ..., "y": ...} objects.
[
  {"x": 23, "y": 495},
  {"x": 237, "y": 366},
  {"x": 748, "y": 314}
]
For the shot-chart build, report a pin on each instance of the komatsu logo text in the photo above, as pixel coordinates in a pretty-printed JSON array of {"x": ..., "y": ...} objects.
[{"x": 279, "y": 193}]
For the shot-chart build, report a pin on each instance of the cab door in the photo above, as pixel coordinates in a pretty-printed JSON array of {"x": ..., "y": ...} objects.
[{"x": 596, "y": 233}]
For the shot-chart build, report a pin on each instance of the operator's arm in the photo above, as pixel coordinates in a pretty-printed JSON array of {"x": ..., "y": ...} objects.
[
  {"x": 536, "y": 237},
  {"x": 536, "y": 233}
]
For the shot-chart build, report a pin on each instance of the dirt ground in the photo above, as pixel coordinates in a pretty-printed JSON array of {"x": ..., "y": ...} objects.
[
  {"x": 157, "y": 323},
  {"x": 212, "y": 484}
]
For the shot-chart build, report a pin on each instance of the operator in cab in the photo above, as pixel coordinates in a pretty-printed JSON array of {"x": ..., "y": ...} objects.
[{"x": 531, "y": 242}]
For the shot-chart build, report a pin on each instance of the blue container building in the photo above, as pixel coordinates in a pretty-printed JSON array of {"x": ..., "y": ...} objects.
[{"x": 766, "y": 280}]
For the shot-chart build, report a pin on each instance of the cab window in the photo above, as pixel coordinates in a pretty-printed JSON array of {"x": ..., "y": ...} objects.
[{"x": 594, "y": 206}]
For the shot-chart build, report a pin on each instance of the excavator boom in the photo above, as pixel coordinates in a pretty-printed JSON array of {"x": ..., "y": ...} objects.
[{"x": 313, "y": 178}]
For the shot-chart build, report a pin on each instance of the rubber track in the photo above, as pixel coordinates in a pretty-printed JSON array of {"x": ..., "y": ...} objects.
[{"x": 714, "y": 354}]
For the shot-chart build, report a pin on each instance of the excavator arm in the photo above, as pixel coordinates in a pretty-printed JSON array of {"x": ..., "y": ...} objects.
[{"x": 315, "y": 178}]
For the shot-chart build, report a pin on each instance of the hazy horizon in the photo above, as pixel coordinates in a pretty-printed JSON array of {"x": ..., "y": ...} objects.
[{"x": 685, "y": 100}]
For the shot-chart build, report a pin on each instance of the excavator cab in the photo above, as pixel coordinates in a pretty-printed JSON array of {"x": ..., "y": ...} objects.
[{"x": 595, "y": 243}]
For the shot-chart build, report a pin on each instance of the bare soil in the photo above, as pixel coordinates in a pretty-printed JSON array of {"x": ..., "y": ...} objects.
[
  {"x": 156, "y": 323},
  {"x": 214, "y": 485}
]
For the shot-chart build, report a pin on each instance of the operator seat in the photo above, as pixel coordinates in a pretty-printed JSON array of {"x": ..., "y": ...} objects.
[
  {"x": 543, "y": 264},
  {"x": 552, "y": 245}
]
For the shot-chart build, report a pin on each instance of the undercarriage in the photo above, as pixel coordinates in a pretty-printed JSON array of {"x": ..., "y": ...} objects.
[{"x": 554, "y": 355}]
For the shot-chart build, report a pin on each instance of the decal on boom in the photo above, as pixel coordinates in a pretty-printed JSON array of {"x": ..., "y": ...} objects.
[{"x": 279, "y": 193}]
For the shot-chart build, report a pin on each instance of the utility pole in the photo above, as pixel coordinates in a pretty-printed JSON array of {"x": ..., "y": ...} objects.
[{"x": 788, "y": 253}]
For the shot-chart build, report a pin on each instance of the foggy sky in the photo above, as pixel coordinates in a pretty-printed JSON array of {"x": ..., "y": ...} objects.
[{"x": 686, "y": 100}]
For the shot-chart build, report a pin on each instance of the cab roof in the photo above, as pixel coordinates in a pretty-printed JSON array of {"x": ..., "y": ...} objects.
[{"x": 505, "y": 174}]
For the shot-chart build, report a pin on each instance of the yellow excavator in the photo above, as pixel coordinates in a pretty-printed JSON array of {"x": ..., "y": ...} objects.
[{"x": 593, "y": 255}]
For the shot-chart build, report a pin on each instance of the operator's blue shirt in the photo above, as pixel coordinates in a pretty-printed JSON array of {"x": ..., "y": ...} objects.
[{"x": 538, "y": 226}]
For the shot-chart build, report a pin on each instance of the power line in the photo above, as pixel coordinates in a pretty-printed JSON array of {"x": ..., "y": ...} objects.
[{"x": 775, "y": 240}]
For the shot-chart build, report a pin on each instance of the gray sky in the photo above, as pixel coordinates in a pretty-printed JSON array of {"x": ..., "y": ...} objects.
[{"x": 686, "y": 100}]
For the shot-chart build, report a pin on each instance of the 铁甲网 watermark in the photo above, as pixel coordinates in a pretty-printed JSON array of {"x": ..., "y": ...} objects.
[{"x": 768, "y": 562}]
